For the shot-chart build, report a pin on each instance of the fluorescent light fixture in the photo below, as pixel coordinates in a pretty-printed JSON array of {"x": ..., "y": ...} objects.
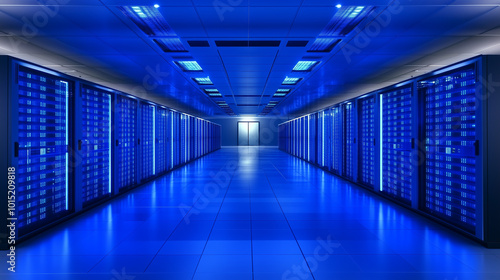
[
  {"x": 211, "y": 90},
  {"x": 305, "y": 65},
  {"x": 282, "y": 92},
  {"x": 324, "y": 44},
  {"x": 189, "y": 66},
  {"x": 156, "y": 6},
  {"x": 172, "y": 44},
  {"x": 149, "y": 20},
  {"x": 356, "y": 11},
  {"x": 203, "y": 81},
  {"x": 291, "y": 81}
]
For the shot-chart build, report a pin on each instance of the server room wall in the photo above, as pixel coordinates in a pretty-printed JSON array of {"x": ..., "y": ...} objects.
[
  {"x": 268, "y": 129},
  {"x": 428, "y": 143},
  {"x": 75, "y": 144}
]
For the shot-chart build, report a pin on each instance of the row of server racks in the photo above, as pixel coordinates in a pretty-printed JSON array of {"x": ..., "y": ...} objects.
[
  {"x": 72, "y": 144},
  {"x": 429, "y": 143}
]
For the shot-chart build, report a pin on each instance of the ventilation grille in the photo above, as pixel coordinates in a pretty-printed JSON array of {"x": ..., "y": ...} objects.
[{"x": 247, "y": 43}]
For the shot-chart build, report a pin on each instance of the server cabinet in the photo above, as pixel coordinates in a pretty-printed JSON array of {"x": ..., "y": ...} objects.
[
  {"x": 319, "y": 143},
  {"x": 94, "y": 146},
  {"x": 451, "y": 147},
  {"x": 397, "y": 140},
  {"x": 71, "y": 144},
  {"x": 349, "y": 141},
  {"x": 337, "y": 139},
  {"x": 40, "y": 136},
  {"x": 161, "y": 136},
  {"x": 176, "y": 143},
  {"x": 126, "y": 142},
  {"x": 147, "y": 140},
  {"x": 327, "y": 140},
  {"x": 311, "y": 138},
  {"x": 437, "y": 149},
  {"x": 367, "y": 142}
]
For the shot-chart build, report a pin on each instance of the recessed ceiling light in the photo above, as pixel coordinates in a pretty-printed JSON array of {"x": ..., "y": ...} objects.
[
  {"x": 189, "y": 66},
  {"x": 156, "y": 6},
  {"x": 305, "y": 65},
  {"x": 338, "y": 6}
]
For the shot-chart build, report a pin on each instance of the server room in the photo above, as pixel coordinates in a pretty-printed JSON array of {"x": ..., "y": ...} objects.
[{"x": 250, "y": 139}]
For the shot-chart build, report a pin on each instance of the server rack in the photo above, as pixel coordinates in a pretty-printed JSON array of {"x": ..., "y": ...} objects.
[
  {"x": 312, "y": 138},
  {"x": 72, "y": 144},
  {"x": 349, "y": 140},
  {"x": 435, "y": 145},
  {"x": 451, "y": 147},
  {"x": 41, "y": 135},
  {"x": 161, "y": 143},
  {"x": 94, "y": 145},
  {"x": 337, "y": 137},
  {"x": 398, "y": 142},
  {"x": 147, "y": 140},
  {"x": 126, "y": 142},
  {"x": 367, "y": 142}
]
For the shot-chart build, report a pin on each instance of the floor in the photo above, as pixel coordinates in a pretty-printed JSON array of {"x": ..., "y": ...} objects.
[{"x": 251, "y": 213}]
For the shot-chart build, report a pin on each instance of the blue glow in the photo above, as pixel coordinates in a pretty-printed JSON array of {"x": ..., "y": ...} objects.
[
  {"x": 324, "y": 44},
  {"x": 189, "y": 65},
  {"x": 305, "y": 65},
  {"x": 291, "y": 81},
  {"x": 139, "y": 11},
  {"x": 156, "y": 6},
  {"x": 338, "y": 6},
  {"x": 203, "y": 81},
  {"x": 283, "y": 90},
  {"x": 356, "y": 11}
]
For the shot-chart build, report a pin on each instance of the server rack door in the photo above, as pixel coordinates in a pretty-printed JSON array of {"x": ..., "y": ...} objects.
[
  {"x": 161, "y": 158},
  {"x": 94, "y": 145},
  {"x": 42, "y": 153},
  {"x": 328, "y": 139},
  {"x": 396, "y": 138},
  {"x": 450, "y": 147},
  {"x": 349, "y": 143},
  {"x": 312, "y": 138},
  {"x": 147, "y": 140},
  {"x": 126, "y": 110},
  {"x": 319, "y": 144},
  {"x": 366, "y": 160},
  {"x": 337, "y": 137}
]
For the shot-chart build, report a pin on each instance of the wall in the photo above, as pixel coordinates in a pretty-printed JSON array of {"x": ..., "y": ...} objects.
[{"x": 268, "y": 129}]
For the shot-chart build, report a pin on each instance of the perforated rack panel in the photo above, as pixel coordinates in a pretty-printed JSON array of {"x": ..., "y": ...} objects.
[
  {"x": 348, "y": 140},
  {"x": 336, "y": 140},
  {"x": 43, "y": 156},
  {"x": 161, "y": 140},
  {"x": 127, "y": 141},
  {"x": 147, "y": 140},
  {"x": 95, "y": 144},
  {"x": 367, "y": 141},
  {"x": 396, "y": 144},
  {"x": 450, "y": 139}
]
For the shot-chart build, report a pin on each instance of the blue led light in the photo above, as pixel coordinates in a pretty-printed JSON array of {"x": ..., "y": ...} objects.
[
  {"x": 338, "y": 6},
  {"x": 139, "y": 11},
  {"x": 189, "y": 65},
  {"x": 291, "y": 81},
  {"x": 203, "y": 81},
  {"x": 305, "y": 65},
  {"x": 156, "y": 6}
]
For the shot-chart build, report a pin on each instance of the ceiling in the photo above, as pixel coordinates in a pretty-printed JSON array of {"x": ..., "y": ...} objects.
[{"x": 95, "y": 40}]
